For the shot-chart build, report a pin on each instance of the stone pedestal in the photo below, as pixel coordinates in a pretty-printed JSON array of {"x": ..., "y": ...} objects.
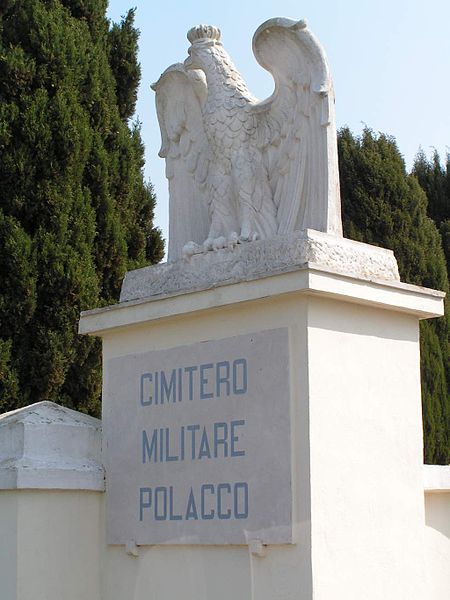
[{"x": 355, "y": 431}]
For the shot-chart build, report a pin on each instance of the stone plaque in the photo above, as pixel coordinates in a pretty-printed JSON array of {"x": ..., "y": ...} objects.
[{"x": 198, "y": 443}]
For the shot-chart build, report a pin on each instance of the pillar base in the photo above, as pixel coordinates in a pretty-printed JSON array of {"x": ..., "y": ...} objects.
[{"x": 355, "y": 434}]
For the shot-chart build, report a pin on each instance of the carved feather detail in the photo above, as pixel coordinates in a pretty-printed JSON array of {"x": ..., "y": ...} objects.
[{"x": 240, "y": 167}]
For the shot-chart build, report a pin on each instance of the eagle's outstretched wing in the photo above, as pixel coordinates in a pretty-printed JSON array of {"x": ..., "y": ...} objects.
[
  {"x": 297, "y": 130},
  {"x": 179, "y": 95}
]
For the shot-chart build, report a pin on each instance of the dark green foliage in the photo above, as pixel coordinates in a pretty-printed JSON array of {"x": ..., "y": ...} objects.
[
  {"x": 435, "y": 400},
  {"x": 385, "y": 206},
  {"x": 123, "y": 60},
  {"x": 435, "y": 181},
  {"x": 75, "y": 212},
  {"x": 444, "y": 230}
]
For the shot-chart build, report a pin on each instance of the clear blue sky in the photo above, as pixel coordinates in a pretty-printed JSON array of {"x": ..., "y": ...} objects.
[{"x": 390, "y": 63}]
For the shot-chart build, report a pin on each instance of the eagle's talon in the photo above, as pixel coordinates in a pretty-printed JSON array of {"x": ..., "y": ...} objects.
[
  {"x": 233, "y": 240},
  {"x": 190, "y": 249},
  {"x": 208, "y": 244},
  {"x": 219, "y": 243},
  {"x": 251, "y": 236}
]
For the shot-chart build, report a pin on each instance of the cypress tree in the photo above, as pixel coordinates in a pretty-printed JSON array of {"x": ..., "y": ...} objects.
[
  {"x": 385, "y": 206},
  {"x": 75, "y": 211},
  {"x": 434, "y": 179}
]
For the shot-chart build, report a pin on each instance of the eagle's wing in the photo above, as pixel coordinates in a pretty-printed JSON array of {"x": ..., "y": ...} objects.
[
  {"x": 179, "y": 97},
  {"x": 297, "y": 130}
]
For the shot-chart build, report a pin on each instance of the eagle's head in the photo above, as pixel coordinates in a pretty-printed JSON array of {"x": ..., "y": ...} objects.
[{"x": 203, "y": 39}]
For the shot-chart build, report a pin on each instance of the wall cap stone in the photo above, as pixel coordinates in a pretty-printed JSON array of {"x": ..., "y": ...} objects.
[
  {"x": 47, "y": 446},
  {"x": 436, "y": 478}
]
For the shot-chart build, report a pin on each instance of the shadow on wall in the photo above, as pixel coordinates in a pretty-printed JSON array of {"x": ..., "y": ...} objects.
[{"x": 437, "y": 511}]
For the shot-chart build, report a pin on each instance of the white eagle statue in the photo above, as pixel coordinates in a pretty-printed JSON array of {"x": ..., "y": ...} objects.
[{"x": 240, "y": 169}]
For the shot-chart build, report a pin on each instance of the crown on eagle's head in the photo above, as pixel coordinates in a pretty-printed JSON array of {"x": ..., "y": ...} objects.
[{"x": 203, "y": 33}]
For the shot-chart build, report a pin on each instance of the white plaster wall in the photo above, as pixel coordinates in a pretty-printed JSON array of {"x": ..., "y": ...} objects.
[
  {"x": 437, "y": 544},
  {"x": 8, "y": 545},
  {"x": 366, "y": 453},
  {"x": 437, "y": 512},
  {"x": 202, "y": 573},
  {"x": 49, "y": 548}
]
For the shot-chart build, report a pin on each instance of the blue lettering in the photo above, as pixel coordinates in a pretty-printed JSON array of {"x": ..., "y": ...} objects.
[
  {"x": 223, "y": 379},
  {"x": 206, "y": 487},
  {"x": 163, "y": 515},
  {"x": 234, "y": 438},
  {"x": 190, "y": 370},
  {"x": 145, "y": 500},
  {"x": 227, "y": 513},
  {"x": 204, "y": 446},
  {"x": 244, "y": 500},
  {"x": 180, "y": 385},
  {"x": 214, "y": 380},
  {"x": 193, "y": 429},
  {"x": 156, "y": 387},
  {"x": 220, "y": 440},
  {"x": 150, "y": 449},
  {"x": 191, "y": 512},
  {"x": 146, "y": 399},
  {"x": 172, "y": 517},
  {"x": 204, "y": 381},
  {"x": 240, "y": 372},
  {"x": 169, "y": 458},
  {"x": 161, "y": 445},
  {"x": 224, "y": 501},
  {"x": 168, "y": 390},
  {"x": 182, "y": 444}
]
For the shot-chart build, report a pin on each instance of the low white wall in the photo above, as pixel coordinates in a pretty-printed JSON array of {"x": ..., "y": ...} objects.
[
  {"x": 50, "y": 545},
  {"x": 8, "y": 545},
  {"x": 437, "y": 530},
  {"x": 437, "y": 512},
  {"x": 437, "y": 564},
  {"x": 52, "y": 548},
  {"x": 51, "y": 498}
]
